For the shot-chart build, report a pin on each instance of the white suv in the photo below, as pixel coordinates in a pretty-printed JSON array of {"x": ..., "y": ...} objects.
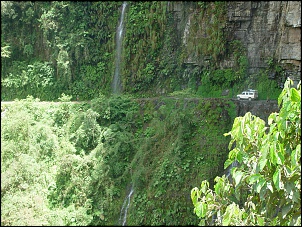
[{"x": 248, "y": 94}]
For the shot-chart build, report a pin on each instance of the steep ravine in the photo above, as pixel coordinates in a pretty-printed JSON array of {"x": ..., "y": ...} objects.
[
  {"x": 183, "y": 145},
  {"x": 163, "y": 147}
]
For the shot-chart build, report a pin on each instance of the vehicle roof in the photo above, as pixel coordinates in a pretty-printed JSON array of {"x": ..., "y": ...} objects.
[{"x": 251, "y": 90}]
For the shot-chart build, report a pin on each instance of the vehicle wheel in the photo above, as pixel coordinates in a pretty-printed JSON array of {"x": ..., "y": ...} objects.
[{"x": 250, "y": 99}]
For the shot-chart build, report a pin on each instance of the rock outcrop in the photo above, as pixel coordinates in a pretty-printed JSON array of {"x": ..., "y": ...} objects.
[
  {"x": 267, "y": 29},
  {"x": 259, "y": 108}
]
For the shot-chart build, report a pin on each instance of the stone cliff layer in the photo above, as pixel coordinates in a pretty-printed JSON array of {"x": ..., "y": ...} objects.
[{"x": 267, "y": 29}]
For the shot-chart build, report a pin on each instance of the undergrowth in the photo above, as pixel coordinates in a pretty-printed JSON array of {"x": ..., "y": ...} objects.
[{"x": 73, "y": 164}]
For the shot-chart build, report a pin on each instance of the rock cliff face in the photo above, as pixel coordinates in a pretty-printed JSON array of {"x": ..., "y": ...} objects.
[
  {"x": 267, "y": 29},
  {"x": 259, "y": 108}
]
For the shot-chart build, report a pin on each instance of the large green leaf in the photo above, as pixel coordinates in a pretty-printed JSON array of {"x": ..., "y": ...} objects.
[
  {"x": 248, "y": 132},
  {"x": 272, "y": 118},
  {"x": 263, "y": 158},
  {"x": 263, "y": 192},
  {"x": 254, "y": 178},
  {"x": 280, "y": 98},
  {"x": 237, "y": 175},
  {"x": 227, "y": 217},
  {"x": 295, "y": 156},
  {"x": 297, "y": 198},
  {"x": 260, "y": 184},
  {"x": 204, "y": 186},
  {"x": 262, "y": 163},
  {"x": 274, "y": 154},
  {"x": 227, "y": 163},
  {"x": 260, "y": 221},
  {"x": 218, "y": 187},
  {"x": 270, "y": 187},
  {"x": 280, "y": 154},
  {"x": 194, "y": 195},
  {"x": 295, "y": 96},
  {"x": 201, "y": 209},
  {"x": 277, "y": 179}
]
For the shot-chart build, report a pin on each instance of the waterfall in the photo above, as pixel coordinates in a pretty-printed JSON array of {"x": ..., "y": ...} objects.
[
  {"x": 116, "y": 86},
  {"x": 124, "y": 210}
]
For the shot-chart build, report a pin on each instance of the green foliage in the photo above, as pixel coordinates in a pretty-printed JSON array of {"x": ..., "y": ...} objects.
[
  {"x": 85, "y": 131},
  {"x": 206, "y": 33},
  {"x": 268, "y": 81},
  {"x": 223, "y": 77},
  {"x": 207, "y": 88},
  {"x": 70, "y": 47},
  {"x": 5, "y": 51},
  {"x": 183, "y": 93},
  {"x": 69, "y": 163},
  {"x": 267, "y": 88},
  {"x": 265, "y": 186},
  {"x": 51, "y": 32},
  {"x": 180, "y": 129},
  {"x": 215, "y": 79},
  {"x": 65, "y": 98},
  {"x": 231, "y": 110},
  {"x": 89, "y": 81},
  {"x": 32, "y": 147},
  {"x": 146, "y": 23},
  {"x": 37, "y": 79},
  {"x": 69, "y": 187},
  {"x": 28, "y": 50},
  {"x": 115, "y": 109},
  {"x": 274, "y": 66}
]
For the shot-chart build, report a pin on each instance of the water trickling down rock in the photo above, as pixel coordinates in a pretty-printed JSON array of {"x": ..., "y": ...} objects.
[
  {"x": 116, "y": 86},
  {"x": 124, "y": 210}
]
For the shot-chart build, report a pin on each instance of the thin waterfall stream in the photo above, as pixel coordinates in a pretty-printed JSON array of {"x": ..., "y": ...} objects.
[
  {"x": 116, "y": 85},
  {"x": 124, "y": 210}
]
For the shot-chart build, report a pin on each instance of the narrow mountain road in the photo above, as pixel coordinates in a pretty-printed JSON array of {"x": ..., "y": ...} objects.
[
  {"x": 261, "y": 108},
  {"x": 153, "y": 98},
  {"x": 47, "y": 102}
]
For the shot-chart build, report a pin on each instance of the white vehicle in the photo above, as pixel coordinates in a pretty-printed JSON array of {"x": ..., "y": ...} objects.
[{"x": 248, "y": 94}]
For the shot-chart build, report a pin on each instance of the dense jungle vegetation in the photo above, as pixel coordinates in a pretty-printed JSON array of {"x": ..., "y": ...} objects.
[
  {"x": 74, "y": 163},
  {"x": 71, "y": 164},
  {"x": 50, "y": 48}
]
